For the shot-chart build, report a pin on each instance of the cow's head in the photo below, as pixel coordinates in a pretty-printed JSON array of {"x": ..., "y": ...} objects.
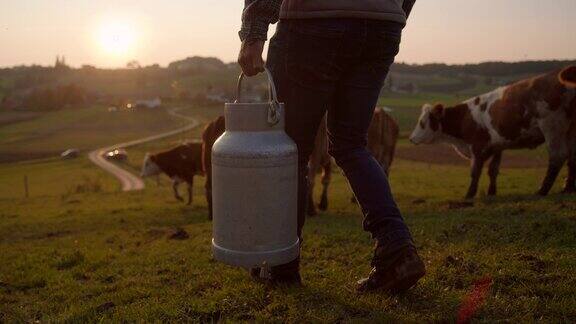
[
  {"x": 429, "y": 125},
  {"x": 568, "y": 76},
  {"x": 149, "y": 167}
]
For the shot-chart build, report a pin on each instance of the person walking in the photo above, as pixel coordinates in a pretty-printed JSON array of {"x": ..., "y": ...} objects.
[{"x": 333, "y": 56}]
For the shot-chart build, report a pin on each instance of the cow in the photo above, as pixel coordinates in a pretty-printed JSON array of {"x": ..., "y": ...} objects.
[
  {"x": 383, "y": 134},
  {"x": 209, "y": 135},
  {"x": 382, "y": 137},
  {"x": 181, "y": 164},
  {"x": 524, "y": 114},
  {"x": 320, "y": 162}
]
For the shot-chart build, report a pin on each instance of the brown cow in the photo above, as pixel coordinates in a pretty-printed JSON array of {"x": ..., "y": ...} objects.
[
  {"x": 381, "y": 142},
  {"x": 181, "y": 164},
  {"x": 522, "y": 115},
  {"x": 320, "y": 161},
  {"x": 382, "y": 138},
  {"x": 210, "y": 134}
]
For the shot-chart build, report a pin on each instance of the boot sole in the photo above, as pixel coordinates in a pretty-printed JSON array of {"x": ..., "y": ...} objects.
[{"x": 408, "y": 281}]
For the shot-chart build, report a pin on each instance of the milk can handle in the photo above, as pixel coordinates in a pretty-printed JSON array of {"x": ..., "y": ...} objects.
[{"x": 273, "y": 110}]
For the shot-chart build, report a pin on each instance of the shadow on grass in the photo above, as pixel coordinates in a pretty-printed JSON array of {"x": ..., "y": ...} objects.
[{"x": 319, "y": 303}]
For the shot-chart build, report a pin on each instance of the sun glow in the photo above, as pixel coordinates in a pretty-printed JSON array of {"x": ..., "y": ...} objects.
[{"x": 117, "y": 38}]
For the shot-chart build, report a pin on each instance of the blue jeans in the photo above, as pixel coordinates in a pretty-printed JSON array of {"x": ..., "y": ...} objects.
[{"x": 339, "y": 66}]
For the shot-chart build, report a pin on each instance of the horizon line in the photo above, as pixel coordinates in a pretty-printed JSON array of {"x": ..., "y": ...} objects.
[{"x": 234, "y": 62}]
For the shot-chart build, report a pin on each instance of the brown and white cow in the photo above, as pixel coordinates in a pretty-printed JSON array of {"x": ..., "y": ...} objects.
[
  {"x": 522, "y": 115},
  {"x": 181, "y": 164}
]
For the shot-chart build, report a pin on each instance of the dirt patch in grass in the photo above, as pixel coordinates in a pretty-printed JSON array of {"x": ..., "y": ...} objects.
[
  {"x": 460, "y": 204},
  {"x": 179, "y": 234},
  {"x": 445, "y": 154},
  {"x": 104, "y": 307},
  {"x": 48, "y": 235}
]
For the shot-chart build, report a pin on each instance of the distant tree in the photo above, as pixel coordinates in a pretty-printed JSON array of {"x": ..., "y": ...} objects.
[
  {"x": 88, "y": 67},
  {"x": 197, "y": 64},
  {"x": 133, "y": 65},
  {"x": 60, "y": 64},
  {"x": 49, "y": 99}
]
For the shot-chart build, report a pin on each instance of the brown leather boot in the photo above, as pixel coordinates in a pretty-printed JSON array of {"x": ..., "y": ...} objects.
[{"x": 393, "y": 273}]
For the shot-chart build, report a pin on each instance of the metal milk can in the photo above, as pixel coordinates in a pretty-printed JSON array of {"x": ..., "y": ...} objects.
[{"x": 254, "y": 185}]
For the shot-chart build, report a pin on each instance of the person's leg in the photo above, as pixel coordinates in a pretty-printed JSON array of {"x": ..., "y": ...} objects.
[
  {"x": 397, "y": 266},
  {"x": 301, "y": 64},
  {"x": 348, "y": 120}
]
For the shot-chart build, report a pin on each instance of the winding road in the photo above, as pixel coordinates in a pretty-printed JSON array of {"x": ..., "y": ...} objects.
[{"x": 128, "y": 180}]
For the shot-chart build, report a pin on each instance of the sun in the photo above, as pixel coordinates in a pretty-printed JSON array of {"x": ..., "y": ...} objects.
[{"x": 116, "y": 38}]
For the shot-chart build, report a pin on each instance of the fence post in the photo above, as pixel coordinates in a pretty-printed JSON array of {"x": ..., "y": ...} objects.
[{"x": 26, "y": 193}]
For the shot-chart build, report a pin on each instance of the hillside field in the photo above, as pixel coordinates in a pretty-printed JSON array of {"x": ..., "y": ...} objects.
[
  {"x": 79, "y": 250},
  {"x": 27, "y": 135}
]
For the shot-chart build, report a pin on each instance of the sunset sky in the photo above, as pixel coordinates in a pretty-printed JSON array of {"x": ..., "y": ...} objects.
[{"x": 110, "y": 33}]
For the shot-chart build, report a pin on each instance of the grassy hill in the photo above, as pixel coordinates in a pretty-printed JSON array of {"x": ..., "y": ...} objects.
[
  {"x": 107, "y": 256},
  {"x": 79, "y": 250},
  {"x": 40, "y": 135}
]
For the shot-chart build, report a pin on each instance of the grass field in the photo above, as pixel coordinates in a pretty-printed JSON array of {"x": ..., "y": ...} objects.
[
  {"x": 79, "y": 250},
  {"x": 48, "y": 134}
]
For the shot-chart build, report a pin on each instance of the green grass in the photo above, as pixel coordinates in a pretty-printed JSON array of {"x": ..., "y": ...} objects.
[
  {"x": 82, "y": 128},
  {"x": 204, "y": 115},
  {"x": 52, "y": 177},
  {"x": 79, "y": 250},
  {"x": 406, "y": 107},
  {"x": 90, "y": 255}
]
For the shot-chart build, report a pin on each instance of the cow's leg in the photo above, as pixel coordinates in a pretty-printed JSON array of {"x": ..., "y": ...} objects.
[
  {"x": 310, "y": 207},
  {"x": 326, "y": 179},
  {"x": 558, "y": 153},
  {"x": 493, "y": 170},
  {"x": 570, "y": 185},
  {"x": 555, "y": 164},
  {"x": 175, "y": 184},
  {"x": 477, "y": 165},
  {"x": 387, "y": 162},
  {"x": 208, "y": 192},
  {"x": 555, "y": 129},
  {"x": 190, "y": 188}
]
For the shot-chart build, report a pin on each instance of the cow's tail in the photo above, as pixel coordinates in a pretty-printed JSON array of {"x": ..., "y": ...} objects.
[{"x": 568, "y": 76}]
